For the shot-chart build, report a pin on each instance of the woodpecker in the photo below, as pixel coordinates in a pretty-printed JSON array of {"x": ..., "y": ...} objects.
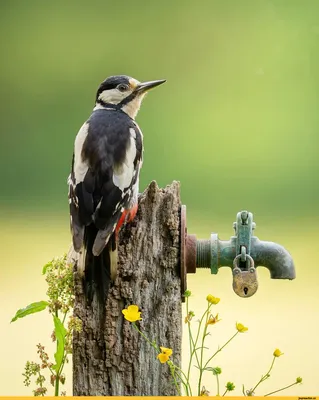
[{"x": 104, "y": 179}]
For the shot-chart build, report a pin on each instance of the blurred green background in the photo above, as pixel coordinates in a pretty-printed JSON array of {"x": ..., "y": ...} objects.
[{"x": 236, "y": 123}]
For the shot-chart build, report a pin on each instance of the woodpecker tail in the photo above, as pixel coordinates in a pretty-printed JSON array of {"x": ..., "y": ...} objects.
[{"x": 98, "y": 271}]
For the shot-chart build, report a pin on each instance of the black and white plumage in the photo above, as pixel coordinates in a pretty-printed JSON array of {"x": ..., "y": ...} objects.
[{"x": 103, "y": 184}]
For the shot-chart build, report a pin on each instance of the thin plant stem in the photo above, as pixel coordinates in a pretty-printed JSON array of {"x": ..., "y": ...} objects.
[
  {"x": 145, "y": 337},
  {"x": 244, "y": 393},
  {"x": 217, "y": 384},
  {"x": 62, "y": 364},
  {"x": 192, "y": 348},
  {"x": 200, "y": 323},
  {"x": 224, "y": 392},
  {"x": 201, "y": 369},
  {"x": 154, "y": 345},
  {"x": 40, "y": 381},
  {"x": 57, "y": 376},
  {"x": 63, "y": 361},
  {"x": 190, "y": 342},
  {"x": 183, "y": 383},
  {"x": 56, "y": 388},
  {"x": 220, "y": 349},
  {"x": 186, "y": 379},
  {"x": 279, "y": 390},
  {"x": 65, "y": 314},
  {"x": 174, "y": 378},
  {"x": 266, "y": 376}
]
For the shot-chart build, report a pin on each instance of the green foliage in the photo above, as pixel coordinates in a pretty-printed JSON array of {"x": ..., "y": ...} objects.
[
  {"x": 34, "y": 369},
  {"x": 60, "y": 334},
  {"x": 59, "y": 277},
  {"x": 197, "y": 351},
  {"x": 30, "y": 309}
]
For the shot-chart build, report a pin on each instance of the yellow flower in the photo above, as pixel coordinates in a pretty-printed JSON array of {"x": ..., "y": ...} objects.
[
  {"x": 277, "y": 353},
  {"x": 132, "y": 314},
  {"x": 241, "y": 328},
  {"x": 212, "y": 299},
  {"x": 299, "y": 379},
  {"x": 165, "y": 354},
  {"x": 213, "y": 320}
]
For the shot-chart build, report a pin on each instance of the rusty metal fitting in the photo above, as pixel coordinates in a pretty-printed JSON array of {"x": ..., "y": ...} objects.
[{"x": 242, "y": 247}]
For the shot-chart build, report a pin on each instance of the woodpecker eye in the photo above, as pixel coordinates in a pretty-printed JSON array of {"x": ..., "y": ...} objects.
[{"x": 122, "y": 88}]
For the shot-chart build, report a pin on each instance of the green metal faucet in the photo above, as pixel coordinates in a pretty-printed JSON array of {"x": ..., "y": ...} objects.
[{"x": 242, "y": 253}]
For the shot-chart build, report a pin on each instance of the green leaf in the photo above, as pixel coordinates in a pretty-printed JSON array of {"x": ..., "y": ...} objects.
[
  {"x": 44, "y": 269},
  {"x": 60, "y": 333},
  {"x": 30, "y": 309}
]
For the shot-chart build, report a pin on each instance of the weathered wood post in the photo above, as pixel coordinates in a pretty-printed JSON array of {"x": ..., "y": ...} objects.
[{"x": 109, "y": 356}]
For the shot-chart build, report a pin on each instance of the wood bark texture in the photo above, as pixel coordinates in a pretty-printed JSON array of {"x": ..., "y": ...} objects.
[{"x": 109, "y": 356}]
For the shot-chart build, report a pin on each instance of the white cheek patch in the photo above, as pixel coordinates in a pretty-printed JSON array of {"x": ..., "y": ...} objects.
[
  {"x": 122, "y": 176},
  {"x": 133, "y": 106},
  {"x": 113, "y": 96}
]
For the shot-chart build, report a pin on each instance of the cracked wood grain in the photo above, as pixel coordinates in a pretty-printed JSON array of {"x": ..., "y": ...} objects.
[{"x": 109, "y": 357}]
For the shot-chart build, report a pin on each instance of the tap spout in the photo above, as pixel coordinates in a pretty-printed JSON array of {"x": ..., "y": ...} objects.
[{"x": 274, "y": 257}]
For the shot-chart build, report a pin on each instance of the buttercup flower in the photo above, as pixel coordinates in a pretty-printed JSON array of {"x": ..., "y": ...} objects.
[
  {"x": 213, "y": 320},
  {"x": 241, "y": 328},
  {"x": 277, "y": 353},
  {"x": 212, "y": 299},
  {"x": 132, "y": 314},
  {"x": 165, "y": 354},
  {"x": 299, "y": 379}
]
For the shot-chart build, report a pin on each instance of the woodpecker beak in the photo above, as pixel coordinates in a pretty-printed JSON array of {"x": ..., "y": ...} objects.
[{"x": 146, "y": 86}]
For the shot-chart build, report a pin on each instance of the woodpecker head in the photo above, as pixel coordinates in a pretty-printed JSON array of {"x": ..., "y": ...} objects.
[{"x": 125, "y": 92}]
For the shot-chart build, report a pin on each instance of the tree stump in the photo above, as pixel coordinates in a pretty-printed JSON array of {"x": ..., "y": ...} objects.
[{"x": 109, "y": 357}]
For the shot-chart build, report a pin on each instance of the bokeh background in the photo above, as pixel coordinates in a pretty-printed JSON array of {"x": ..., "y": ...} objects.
[{"x": 236, "y": 123}]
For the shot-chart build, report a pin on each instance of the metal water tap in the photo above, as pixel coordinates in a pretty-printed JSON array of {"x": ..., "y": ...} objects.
[{"x": 242, "y": 253}]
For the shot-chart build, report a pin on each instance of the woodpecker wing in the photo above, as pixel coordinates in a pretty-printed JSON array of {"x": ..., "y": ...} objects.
[{"x": 105, "y": 169}]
